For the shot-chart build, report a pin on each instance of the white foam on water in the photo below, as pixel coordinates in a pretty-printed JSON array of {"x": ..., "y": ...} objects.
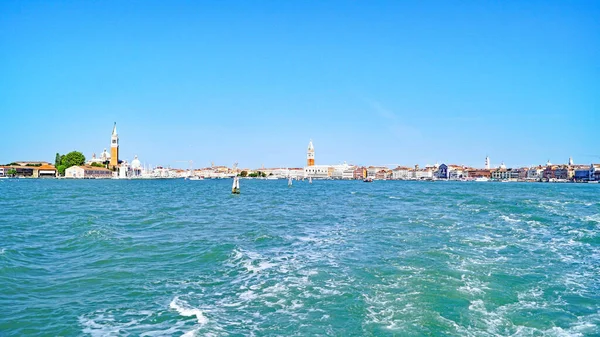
[
  {"x": 2, "y": 250},
  {"x": 117, "y": 323},
  {"x": 533, "y": 293},
  {"x": 497, "y": 321},
  {"x": 582, "y": 233},
  {"x": 184, "y": 309},
  {"x": 191, "y": 333},
  {"x": 509, "y": 219},
  {"x": 262, "y": 265},
  {"x": 248, "y": 295},
  {"x": 473, "y": 287},
  {"x": 275, "y": 289},
  {"x": 392, "y": 197},
  {"x": 93, "y": 328},
  {"x": 591, "y": 218}
]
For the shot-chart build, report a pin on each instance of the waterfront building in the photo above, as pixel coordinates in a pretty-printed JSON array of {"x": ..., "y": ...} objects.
[
  {"x": 505, "y": 174},
  {"x": 47, "y": 171},
  {"x": 360, "y": 172},
  {"x": 114, "y": 149},
  {"x": 443, "y": 172},
  {"x": 423, "y": 174},
  {"x": 561, "y": 172},
  {"x": 281, "y": 172},
  {"x": 318, "y": 171},
  {"x": 296, "y": 173},
  {"x": 401, "y": 173},
  {"x": 123, "y": 171},
  {"x": 479, "y": 173},
  {"x": 310, "y": 154},
  {"x": 32, "y": 163},
  {"x": 40, "y": 170},
  {"x": 372, "y": 171},
  {"x": 549, "y": 172},
  {"x": 22, "y": 171},
  {"x": 84, "y": 171},
  {"x": 457, "y": 173},
  {"x": 590, "y": 173},
  {"x": 523, "y": 171},
  {"x": 582, "y": 174},
  {"x": 343, "y": 171},
  {"x": 382, "y": 174},
  {"x": 487, "y": 162},
  {"x": 535, "y": 173}
]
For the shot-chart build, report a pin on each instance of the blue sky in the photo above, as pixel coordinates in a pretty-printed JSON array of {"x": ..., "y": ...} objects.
[{"x": 381, "y": 82}]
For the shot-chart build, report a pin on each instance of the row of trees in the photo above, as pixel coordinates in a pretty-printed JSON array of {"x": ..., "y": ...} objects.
[
  {"x": 258, "y": 174},
  {"x": 63, "y": 162}
]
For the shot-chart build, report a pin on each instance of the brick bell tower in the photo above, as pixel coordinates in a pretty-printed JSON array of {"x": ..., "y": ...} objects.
[
  {"x": 310, "y": 154},
  {"x": 114, "y": 148}
]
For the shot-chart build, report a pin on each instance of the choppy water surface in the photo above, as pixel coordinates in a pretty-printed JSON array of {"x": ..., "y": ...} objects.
[{"x": 155, "y": 258}]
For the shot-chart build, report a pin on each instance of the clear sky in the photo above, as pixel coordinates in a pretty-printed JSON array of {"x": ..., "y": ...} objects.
[{"x": 371, "y": 82}]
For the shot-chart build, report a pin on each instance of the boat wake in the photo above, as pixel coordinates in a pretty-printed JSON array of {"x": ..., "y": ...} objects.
[{"x": 184, "y": 309}]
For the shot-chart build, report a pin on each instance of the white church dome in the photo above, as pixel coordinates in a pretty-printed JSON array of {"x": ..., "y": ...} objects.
[{"x": 135, "y": 164}]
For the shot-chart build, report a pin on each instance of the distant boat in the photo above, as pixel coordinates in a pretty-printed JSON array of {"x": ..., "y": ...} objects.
[
  {"x": 290, "y": 182},
  {"x": 480, "y": 179},
  {"x": 235, "y": 189},
  {"x": 368, "y": 180},
  {"x": 310, "y": 180},
  {"x": 196, "y": 178}
]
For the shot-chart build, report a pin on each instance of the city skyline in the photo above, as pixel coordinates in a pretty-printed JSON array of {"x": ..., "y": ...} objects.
[{"x": 370, "y": 84}]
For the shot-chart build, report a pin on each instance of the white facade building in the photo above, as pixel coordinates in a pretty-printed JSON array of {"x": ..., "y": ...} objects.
[
  {"x": 343, "y": 171},
  {"x": 401, "y": 173},
  {"x": 317, "y": 171},
  {"x": 296, "y": 173},
  {"x": 535, "y": 173},
  {"x": 81, "y": 172},
  {"x": 422, "y": 174}
]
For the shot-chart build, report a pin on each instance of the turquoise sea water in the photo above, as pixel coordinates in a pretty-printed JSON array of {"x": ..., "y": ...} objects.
[{"x": 166, "y": 257}]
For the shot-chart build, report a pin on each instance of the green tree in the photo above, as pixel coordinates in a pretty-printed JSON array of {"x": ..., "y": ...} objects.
[
  {"x": 57, "y": 159},
  {"x": 12, "y": 172},
  {"x": 61, "y": 169},
  {"x": 72, "y": 158},
  {"x": 97, "y": 165},
  {"x": 244, "y": 173}
]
